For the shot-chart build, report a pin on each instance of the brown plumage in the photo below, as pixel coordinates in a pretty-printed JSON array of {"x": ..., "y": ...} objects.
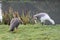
[{"x": 15, "y": 22}]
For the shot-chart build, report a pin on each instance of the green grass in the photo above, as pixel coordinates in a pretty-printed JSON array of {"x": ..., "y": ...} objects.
[{"x": 31, "y": 32}]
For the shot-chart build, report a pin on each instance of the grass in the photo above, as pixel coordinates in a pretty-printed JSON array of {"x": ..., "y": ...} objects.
[{"x": 31, "y": 32}]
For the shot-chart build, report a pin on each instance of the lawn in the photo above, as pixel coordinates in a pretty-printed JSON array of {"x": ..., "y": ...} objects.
[{"x": 31, "y": 32}]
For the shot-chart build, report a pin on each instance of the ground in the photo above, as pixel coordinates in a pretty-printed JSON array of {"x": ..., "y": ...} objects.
[{"x": 31, "y": 32}]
